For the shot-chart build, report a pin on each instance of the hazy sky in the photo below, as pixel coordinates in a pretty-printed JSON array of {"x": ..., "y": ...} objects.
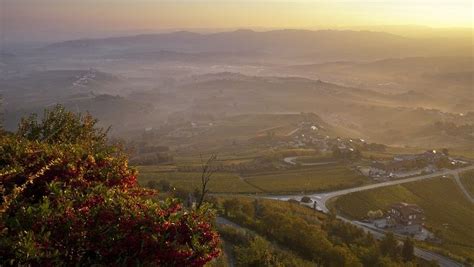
[{"x": 20, "y": 18}]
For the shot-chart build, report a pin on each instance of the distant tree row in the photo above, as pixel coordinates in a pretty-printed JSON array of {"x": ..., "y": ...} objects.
[
  {"x": 451, "y": 129},
  {"x": 346, "y": 154},
  {"x": 258, "y": 164}
]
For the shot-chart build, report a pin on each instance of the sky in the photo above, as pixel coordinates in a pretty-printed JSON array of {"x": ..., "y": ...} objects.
[{"x": 23, "y": 19}]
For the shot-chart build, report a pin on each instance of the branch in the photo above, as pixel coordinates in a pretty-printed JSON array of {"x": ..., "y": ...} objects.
[{"x": 206, "y": 174}]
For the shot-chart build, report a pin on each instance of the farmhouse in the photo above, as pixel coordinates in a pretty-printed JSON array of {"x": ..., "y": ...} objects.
[{"x": 409, "y": 217}]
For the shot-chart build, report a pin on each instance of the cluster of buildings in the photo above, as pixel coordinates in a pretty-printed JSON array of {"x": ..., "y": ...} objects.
[
  {"x": 83, "y": 80},
  {"x": 312, "y": 135},
  {"x": 409, "y": 165},
  {"x": 305, "y": 135},
  {"x": 194, "y": 128}
]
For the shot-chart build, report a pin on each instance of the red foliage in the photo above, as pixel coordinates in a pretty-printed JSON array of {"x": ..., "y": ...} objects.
[
  {"x": 73, "y": 200},
  {"x": 112, "y": 227}
]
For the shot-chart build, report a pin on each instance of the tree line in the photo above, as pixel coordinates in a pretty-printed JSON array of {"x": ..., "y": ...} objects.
[{"x": 322, "y": 240}]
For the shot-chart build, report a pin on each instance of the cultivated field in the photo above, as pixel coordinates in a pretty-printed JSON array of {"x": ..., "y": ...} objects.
[
  {"x": 391, "y": 151},
  {"x": 319, "y": 178},
  {"x": 220, "y": 182},
  {"x": 467, "y": 179},
  {"x": 327, "y": 157},
  {"x": 448, "y": 213},
  {"x": 468, "y": 153},
  {"x": 308, "y": 179}
]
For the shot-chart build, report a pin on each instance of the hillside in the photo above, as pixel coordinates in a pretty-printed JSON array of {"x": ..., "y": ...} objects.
[
  {"x": 440, "y": 82},
  {"x": 452, "y": 209},
  {"x": 299, "y": 45}
]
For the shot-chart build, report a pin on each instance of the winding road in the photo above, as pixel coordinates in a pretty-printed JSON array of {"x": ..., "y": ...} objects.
[
  {"x": 321, "y": 200},
  {"x": 463, "y": 189}
]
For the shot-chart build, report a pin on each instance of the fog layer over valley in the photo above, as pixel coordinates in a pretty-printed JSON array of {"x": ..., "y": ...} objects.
[{"x": 372, "y": 85}]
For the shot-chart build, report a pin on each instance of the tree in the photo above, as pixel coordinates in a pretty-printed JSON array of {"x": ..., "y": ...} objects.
[
  {"x": 374, "y": 214},
  {"x": 68, "y": 197},
  {"x": 389, "y": 246},
  {"x": 445, "y": 151},
  {"x": 164, "y": 185},
  {"x": 306, "y": 199},
  {"x": 336, "y": 152},
  {"x": 231, "y": 206},
  {"x": 152, "y": 184},
  {"x": 60, "y": 126},
  {"x": 1, "y": 114},
  {"x": 341, "y": 256},
  {"x": 257, "y": 253},
  {"x": 408, "y": 253},
  {"x": 207, "y": 172}
]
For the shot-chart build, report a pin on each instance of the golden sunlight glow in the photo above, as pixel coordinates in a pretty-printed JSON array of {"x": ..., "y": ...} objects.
[{"x": 162, "y": 14}]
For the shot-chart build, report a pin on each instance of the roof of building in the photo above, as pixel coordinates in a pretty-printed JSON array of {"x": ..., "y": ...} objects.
[{"x": 407, "y": 209}]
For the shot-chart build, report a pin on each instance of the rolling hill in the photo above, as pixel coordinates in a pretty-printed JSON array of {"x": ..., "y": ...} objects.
[{"x": 277, "y": 45}]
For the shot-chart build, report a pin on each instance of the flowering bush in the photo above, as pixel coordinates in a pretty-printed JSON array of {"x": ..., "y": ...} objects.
[
  {"x": 101, "y": 225},
  {"x": 68, "y": 198}
]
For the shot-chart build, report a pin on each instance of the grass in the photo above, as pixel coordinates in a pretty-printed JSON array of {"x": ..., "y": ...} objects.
[
  {"x": 467, "y": 153},
  {"x": 315, "y": 159},
  {"x": 391, "y": 151},
  {"x": 220, "y": 182},
  {"x": 320, "y": 178},
  {"x": 156, "y": 168},
  {"x": 288, "y": 208},
  {"x": 448, "y": 213},
  {"x": 467, "y": 179}
]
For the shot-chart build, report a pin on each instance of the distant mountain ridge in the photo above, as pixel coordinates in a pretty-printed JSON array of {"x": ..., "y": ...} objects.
[{"x": 322, "y": 45}]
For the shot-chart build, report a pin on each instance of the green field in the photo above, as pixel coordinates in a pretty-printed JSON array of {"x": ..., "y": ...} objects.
[
  {"x": 467, "y": 153},
  {"x": 391, "y": 151},
  {"x": 467, "y": 179},
  {"x": 220, "y": 182},
  {"x": 448, "y": 213},
  {"x": 316, "y": 158},
  {"x": 310, "y": 179},
  {"x": 320, "y": 178}
]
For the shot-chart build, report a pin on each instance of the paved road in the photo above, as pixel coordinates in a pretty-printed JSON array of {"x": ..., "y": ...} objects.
[
  {"x": 419, "y": 252},
  {"x": 292, "y": 161},
  {"x": 322, "y": 198},
  {"x": 463, "y": 189}
]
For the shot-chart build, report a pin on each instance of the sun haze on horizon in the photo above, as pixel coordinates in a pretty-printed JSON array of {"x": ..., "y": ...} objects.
[{"x": 87, "y": 16}]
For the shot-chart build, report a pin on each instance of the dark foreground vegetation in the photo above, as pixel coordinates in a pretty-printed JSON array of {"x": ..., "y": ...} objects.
[{"x": 68, "y": 197}]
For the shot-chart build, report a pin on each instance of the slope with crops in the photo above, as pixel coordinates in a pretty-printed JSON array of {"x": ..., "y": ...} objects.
[
  {"x": 308, "y": 238},
  {"x": 448, "y": 212}
]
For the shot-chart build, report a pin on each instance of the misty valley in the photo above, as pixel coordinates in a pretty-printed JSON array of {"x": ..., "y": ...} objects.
[{"x": 292, "y": 147}]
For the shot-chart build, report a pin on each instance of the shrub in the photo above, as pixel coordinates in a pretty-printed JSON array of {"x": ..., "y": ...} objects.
[
  {"x": 70, "y": 198},
  {"x": 306, "y": 199},
  {"x": 107, "y": 226}
]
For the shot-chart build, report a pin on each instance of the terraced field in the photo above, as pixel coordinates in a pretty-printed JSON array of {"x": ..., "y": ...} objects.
[
  {"x": 314, "y": 179},
  {"x": 220, "y": 182},
  {"x": 467, "y": 179},
  {"x": 448, "y": 213}
]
